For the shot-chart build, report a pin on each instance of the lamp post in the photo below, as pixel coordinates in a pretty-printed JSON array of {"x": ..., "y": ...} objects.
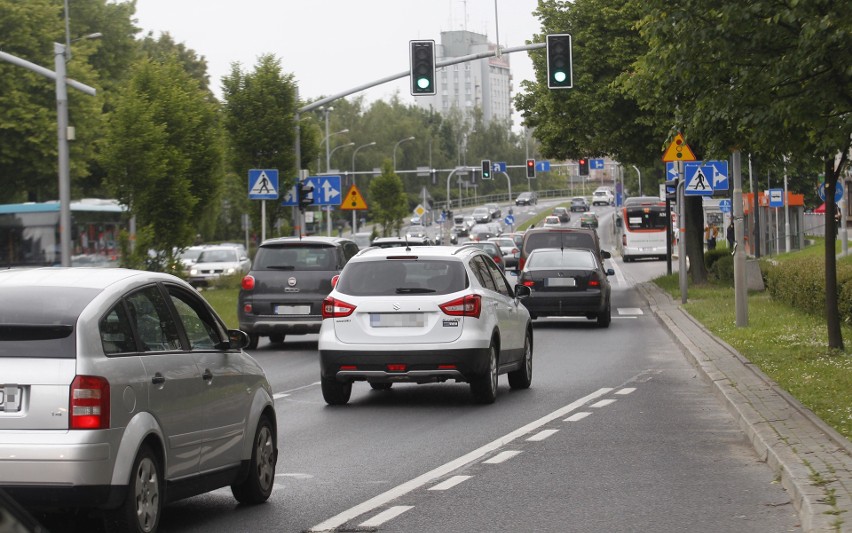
[
  {"x": 395, "y": 147},
  {"x": 640, "y": 178},
  {"x": 336, "y": 148},
  {"x": 354, "y": 153},
  {"x": 60, "y": 57},
  {"x": 325, "y": 141}
]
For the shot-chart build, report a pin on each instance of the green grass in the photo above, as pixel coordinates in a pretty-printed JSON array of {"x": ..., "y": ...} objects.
[
  {"x": 222, "y": 296},
  {"x": 788, "y": 345},
  {"x": 537, "y": 220}
]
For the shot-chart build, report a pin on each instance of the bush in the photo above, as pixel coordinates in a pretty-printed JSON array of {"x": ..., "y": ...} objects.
[
  {"x": 722, "y": 268},
  {"x": 711, "y": 256},
  {"x": 800, "y": 283}
]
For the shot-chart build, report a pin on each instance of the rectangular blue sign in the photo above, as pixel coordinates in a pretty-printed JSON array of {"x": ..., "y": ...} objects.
[
  {"x": 263, "y": 184},
  {"x": 326, "y": 190}
]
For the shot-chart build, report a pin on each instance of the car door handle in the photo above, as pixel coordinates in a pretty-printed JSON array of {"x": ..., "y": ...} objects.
[
  {"x": 207, "y": 375},
  {"x": 158, "y": 379}
]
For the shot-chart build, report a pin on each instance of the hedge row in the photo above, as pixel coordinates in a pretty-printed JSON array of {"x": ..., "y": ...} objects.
[{"x": 800, "y": 283}]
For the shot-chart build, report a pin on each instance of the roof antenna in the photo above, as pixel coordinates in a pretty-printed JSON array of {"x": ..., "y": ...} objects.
[{"x": 407, "y": 247}]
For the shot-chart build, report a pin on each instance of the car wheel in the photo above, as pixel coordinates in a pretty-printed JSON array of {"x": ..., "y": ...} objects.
[
  {"x": 484, "y": 387},
  {"x": 381, "y": 386},
  {"x": 336, "y": 392},
  {"x": 276, "y": 339},
  {"x": 605, "y": 317},
  {"x": 522, "y": 377},
  {"x": 252, "y": 343},
  {"x": 257, "y": 486},
  {"x": 140, "y": 511}
]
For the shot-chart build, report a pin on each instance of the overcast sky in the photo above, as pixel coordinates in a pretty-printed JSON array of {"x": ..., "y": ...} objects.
[{"x": 331, "y": 46}]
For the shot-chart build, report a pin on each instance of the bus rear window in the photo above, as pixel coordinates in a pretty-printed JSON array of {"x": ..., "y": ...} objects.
[{"x": 647, "y": 218}]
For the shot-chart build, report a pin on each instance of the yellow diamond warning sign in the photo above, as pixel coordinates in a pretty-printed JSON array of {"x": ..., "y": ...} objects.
[
  {"x": 353, "y": 200},
  {"x": 678, "y": 151}
]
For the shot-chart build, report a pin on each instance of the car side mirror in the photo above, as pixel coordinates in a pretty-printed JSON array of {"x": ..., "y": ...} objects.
[
  {"x": 605, "y": 254},
  {"x": 237, "y": 339},
  {"x": 522, "y": 291},
  {"x": 610, "y": 272}
]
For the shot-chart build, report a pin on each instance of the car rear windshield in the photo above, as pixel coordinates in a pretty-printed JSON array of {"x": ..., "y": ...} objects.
[
  {"x": 559, "y": 239},
  {"x": 567, "y": 258},
  {"x": 298, "y": 256},
  {"x": 394, "y": 277},
  {"x": 39, "y": 321}
]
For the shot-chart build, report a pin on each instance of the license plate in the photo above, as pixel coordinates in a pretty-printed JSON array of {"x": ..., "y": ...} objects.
[
  {"x": 292, "y": 309},
  {"x": 397, "y": 320},
  {"x": 560, "y": 282}
]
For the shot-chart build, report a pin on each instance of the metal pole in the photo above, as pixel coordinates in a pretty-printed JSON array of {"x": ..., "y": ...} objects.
[
  {"x": 640, "y": 178},
  {"x": 786, "y": 211},
  {"x": 740, "y": 287},
  {"x": 64, "y": 163},
  {"x": 681, "y": 242},
  {"x": 509, "y": 181},
  {"x": 449, "y": 204},
  {"x": 354, "y": 212}
]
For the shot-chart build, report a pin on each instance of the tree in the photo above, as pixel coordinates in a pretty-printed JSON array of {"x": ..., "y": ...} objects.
[
  {"x": 259, "y": 117},
  {"x": 763, "y": 77},
  {"x": 388, "y": 206},
  {"x": 163, "y": 155}
]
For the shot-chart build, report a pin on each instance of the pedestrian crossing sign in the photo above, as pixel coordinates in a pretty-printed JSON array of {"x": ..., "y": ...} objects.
[
  {"x": 263, "y": 184},
  {"x": 699, "y": 182}
]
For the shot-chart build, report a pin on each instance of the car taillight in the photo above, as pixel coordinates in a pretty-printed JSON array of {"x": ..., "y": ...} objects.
[
  {"x": 498, "y": 259},
  {"x": 89, "y": 403},
  {"x": 521, "y": 262},
  {"x": 527, "y": 283},
  {"x": 469, "y": 305},
  {"x": 623, "y": 239},
  {"x": 515, "y": 251},
  {"x": 334, "y": 280},
  {"x": 248, "y": 283},
  {"x": 334, "y": 308},
  {"x": 594, "y": 281}
]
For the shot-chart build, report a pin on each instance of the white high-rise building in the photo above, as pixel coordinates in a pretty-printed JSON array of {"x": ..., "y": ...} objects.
[{"x": 484, "y": 83}]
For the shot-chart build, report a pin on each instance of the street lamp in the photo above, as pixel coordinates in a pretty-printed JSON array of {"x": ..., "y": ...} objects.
[
  {"x": 61, "y": 53},
  {"x": 396, "y": 145},
  {"x": 325, "y": 141},
  {"x": 640, "y": 179},
  {"x": 354, "y": 153},
  {"x": 336, "y": 148}
]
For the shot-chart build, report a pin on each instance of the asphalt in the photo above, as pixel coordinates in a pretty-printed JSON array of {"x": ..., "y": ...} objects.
[{"x": 811, "y": 460}]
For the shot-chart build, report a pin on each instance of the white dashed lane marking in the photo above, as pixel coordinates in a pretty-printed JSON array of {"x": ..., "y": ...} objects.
[
  {"x": 501, "y": 457},
  {"x": 450, "y": 483},
  {"x": 626, "y": 390},
  {"x": 604, "y": 403},
  {"x": 577, "y": 416},
  {"x": 629, "y": 311},
  {"x": 386, "y": 515},
  {"x": 541, "y": 435}
]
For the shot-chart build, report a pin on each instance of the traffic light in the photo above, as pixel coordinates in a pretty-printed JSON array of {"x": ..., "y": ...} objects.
[
  {"x": 422, "y": 56},
  {"x": 559, "y": 64},
  {"x": 671, "y": 189},
  {"x": 530, "y": 168},
  {"x": 583, "y": 163},
  {"x": 306, "y": 194},
  {"x": 486, "y": 169}
]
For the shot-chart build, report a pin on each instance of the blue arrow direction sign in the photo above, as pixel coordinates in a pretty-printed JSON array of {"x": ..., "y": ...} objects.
[
  {"x": 291, "y": 198},
  {"x": 719, "y": 172},
  {"x": 263, "y": 184},
  {"x": 698, "y": 179},
  {"x": 326, "y": 190},
  {"x": 671, "y": 171},
  {"x": 509, "y": 220},
  {"x": 542, "y": 166},
  {"x": 725, "y": 206},
  {"x": 499, "y": 166},
  {"x": 596, "y": 164}
]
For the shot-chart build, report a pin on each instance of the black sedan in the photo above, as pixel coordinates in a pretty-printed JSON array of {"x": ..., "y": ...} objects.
[{"x": 567, "y": 282}]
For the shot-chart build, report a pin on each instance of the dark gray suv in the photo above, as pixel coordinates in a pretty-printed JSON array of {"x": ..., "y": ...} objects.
[{"x": 283, "y": 292}]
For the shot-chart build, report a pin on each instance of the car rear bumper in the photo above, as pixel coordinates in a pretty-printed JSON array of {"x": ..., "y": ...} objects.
[
  {"x": 421, "y": 366},
  {"x": 564, "y": 304},
  {"x": 274, "y": 325}
]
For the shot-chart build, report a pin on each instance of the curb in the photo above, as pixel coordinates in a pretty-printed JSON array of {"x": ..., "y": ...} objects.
[{"x": 812, "y": 460}]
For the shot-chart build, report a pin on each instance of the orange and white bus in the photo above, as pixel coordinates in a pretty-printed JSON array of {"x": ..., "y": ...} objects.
[{"x": 643, "y": 228}]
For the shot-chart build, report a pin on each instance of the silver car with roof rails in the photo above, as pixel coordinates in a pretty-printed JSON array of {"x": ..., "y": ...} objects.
[
  {"x": 121, "y": 391},
  {"x": 422, "y": 315}
]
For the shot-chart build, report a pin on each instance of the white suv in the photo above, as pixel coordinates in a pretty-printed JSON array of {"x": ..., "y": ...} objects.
[
  {"x": 422, "y": 315},
  {"x": 603, "y": 196}
]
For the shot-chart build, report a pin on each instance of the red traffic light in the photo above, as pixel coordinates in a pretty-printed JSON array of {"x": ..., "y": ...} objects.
[{"x": 530, "y": 168}]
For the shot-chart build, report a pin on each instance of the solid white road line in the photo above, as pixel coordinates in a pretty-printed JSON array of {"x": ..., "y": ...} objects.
[
  {"x": 577, "y": 416},
  {"x": 501, "y": 457},
  {"x": 629, "y": 311},
  {"x": 543, "y": 434},
  {"x": 336, "y": 521},
  {"x": 450, "y": 483},
  {"x": 384, "y": 516},
  {"x": 604, "y": 403}
]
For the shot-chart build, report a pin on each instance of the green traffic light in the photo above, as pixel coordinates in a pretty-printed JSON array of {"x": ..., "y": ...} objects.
[
  {"x": 560, "y": 76},
  {"x": 423, "y": 83}
]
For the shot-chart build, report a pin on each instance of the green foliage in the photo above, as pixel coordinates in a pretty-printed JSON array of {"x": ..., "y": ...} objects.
[
  {"x": 800, "y": 283},
  {"x": 164, "y": 142},
  {"x": 720, "y": 265},
  {"x": 388, "y": 203}
]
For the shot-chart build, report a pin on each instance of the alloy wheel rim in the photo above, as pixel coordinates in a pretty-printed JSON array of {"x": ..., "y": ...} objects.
[
  {"x": 265, "y": 458},
  {"x": 147, "y": 493}
]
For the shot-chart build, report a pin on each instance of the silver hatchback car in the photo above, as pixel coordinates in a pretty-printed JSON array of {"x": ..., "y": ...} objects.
[
  {"x": 420, "y": 315},
  {"x": 121, "y": 391}
]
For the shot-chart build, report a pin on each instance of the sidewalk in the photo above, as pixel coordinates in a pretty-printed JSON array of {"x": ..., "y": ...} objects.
[{"x": 812, "y": 461}]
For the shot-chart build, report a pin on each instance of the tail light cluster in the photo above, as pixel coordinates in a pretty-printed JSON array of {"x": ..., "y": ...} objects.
[
  {"x": 334, "y": 308},
  {"x": 469, "y": 305},
  {"x": 594, "y": 281},
  {"x": 521, "y": 262},
  {"x": 248, "y": 283},
  {"x": 89, "y": 403}
]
